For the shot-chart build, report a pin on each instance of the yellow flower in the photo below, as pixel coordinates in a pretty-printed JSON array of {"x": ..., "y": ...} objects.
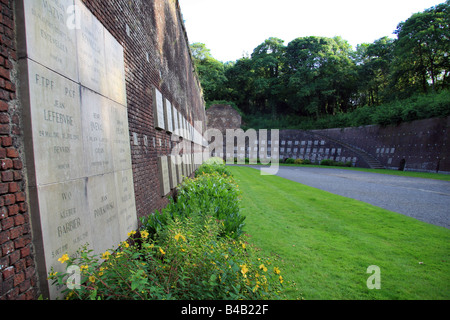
[
  {"x": 281, "y": 279},
  {"x": 148, "y": 246},
  {"x": 69, "y": 295},
  {"x": 144, "y": 234},
  {"x": 125, "y": 244},
  {"x": 64, "y": 258},
  {"x": 106, "y": 255},
  {"x": 244, "y": 269},
  {"x": 119, "y": 254},
  {"x": 243, "y": 245},
  {"x": 178, "y": 236},
  {"x": 92, "y": 279},
  {"x": 276, "y": 270},
  {"x": 83, "y": 267},
  {"x": 263, "y": 268},
  {"x": 131, "y": 233},
  {"x": 162, "y": 251}
]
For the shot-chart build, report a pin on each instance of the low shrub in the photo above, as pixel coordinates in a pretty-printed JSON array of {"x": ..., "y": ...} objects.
[
  {"x": 329, "y": 162},
  {"x": 289, "y": 161},
  {"x": 212, "y": 168},
  {"x": 213, "y": 192},
  {"x": 187, "y": 261},
  {"x": 298, "y": 161},
  {"x": 214, "y": 160}
]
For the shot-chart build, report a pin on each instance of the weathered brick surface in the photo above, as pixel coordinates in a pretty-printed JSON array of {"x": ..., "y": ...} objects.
[
  {"x": 17, "y": 269},
  {"x": 157, "y": 55},
  {"x": 423, "y": 144},
  {"x": 223, "y": 117}
]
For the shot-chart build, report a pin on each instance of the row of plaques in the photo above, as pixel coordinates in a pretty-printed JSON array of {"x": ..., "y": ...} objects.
[
  {"x": 67, "y": 38},
  {"x": 173, "y": 169},
  {"x": 168, "y": 118},
  {"x": 73, "y": 92}
]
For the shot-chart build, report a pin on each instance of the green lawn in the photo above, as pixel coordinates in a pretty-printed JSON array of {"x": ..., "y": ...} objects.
[{"x": 326, "y": 242}]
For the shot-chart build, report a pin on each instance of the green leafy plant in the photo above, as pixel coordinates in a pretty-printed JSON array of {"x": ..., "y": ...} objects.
[
  {"x": 188, "y": 260},
  {"x": 289, "y": 161}
]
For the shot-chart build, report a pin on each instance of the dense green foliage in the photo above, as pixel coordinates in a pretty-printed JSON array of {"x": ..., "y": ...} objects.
[
  {"x": 318, "y": 82},
  {"x": 212, "y": 192}
]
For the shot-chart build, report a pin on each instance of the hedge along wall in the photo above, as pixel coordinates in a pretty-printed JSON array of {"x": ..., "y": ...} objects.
[{"x": 156, "y": 56}]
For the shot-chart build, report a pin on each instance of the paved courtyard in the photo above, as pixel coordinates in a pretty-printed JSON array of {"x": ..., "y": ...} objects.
[{"x": 424, "y": 199}]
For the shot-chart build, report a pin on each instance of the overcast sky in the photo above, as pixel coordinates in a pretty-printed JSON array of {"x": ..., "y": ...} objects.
[{"x": 233, "y": 28}]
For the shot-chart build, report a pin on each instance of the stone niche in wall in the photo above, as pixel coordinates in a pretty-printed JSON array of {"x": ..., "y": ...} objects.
[{"x": 77, "y": 142}]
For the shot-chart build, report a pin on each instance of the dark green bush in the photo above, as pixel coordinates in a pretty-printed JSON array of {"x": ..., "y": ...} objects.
[
  {"x": 213, "y": 192},
  {"x": 212, "y": 168},
  {"x": 290, "y": 161},
  {"x": 328, "y": 162}
]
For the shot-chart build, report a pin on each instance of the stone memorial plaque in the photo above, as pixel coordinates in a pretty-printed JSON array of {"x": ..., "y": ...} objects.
[
  {"x": 158, "y": 109},
  {"x": 175, "y": 120},
  {"x": 54, "y": 103},
  {"x": 179, "y": 171},
  {"x": 180, "y": 124},
  {"x": 115, "y": 69},
  {"x": 126, "y": 205},
  {"x": 164, "y": 177},
  {"x": 91, "y": 51},
  {"x": 49, "y": 41},
  {"x": 103, "y": 211},
  {"x": 186, "y": 164},
  {"x": 172, "y": 172},
  {"x": 73, "y": 95},
  {"x": 96, "y": 124},
  {"x": 66, "y": 226},
  {"x": 120, "y": 137},
  {"x": 186, "y": 126},
  {"x": 168, "y": 116}
]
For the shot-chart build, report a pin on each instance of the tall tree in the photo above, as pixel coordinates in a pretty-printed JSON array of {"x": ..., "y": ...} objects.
[
  {"x": 320, "y": 75},
  {"x": 422, "y": 51},
  {"x": 374, "y": 62},
  {"x": 211, "y": 72},
  {"x": 267, "y": 61}
]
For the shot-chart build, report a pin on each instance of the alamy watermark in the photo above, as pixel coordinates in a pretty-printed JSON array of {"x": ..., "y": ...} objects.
[
  {"x": 374, "y": 281},
  {"x": 73, "y": 17},
  {"x": 236, "y": 146}
]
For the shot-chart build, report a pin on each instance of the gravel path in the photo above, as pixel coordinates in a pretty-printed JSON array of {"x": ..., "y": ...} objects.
[{"x": 423, "y": 199}]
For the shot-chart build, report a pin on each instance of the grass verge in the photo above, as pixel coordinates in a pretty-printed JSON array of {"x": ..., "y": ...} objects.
[
  {"x": 326, "y": 242},
  {"x": 413, "y": 174}
]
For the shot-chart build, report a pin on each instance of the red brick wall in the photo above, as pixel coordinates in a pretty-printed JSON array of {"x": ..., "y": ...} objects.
[
  {"x": 156, "y": 55},
  {"x": 17, "y": 269},
  {"x": 156, "y": 31},
  {"x": 423, "y": 144}
]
